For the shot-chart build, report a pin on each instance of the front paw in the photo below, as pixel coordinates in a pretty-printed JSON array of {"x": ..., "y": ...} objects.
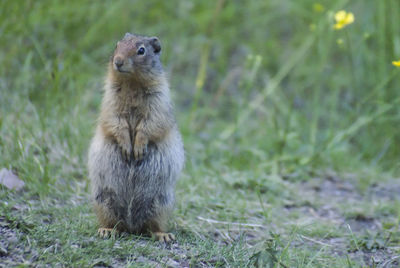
[
  {"x": 126, "y": 150},
  {"x": 140, "y": 148}
]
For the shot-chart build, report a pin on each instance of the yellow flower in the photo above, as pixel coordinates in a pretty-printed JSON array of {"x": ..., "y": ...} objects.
[
  {"x": 343, "y": 19},
  {"x": 396, "y": 63}
]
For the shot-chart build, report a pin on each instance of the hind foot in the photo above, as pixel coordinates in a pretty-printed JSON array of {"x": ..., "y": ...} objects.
[
  {"x": 107, "y": 232},
  {"x": 163, "y": 237}
]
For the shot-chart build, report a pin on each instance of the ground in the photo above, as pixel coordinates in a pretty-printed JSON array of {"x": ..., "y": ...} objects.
[{"x": 323, "y": 221}]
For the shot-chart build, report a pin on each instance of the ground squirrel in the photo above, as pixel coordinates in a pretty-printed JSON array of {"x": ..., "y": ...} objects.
[{"x": 137, "y": 153}]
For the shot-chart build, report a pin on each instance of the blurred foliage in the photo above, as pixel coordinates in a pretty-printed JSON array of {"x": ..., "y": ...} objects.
[{"x": 264, "y": 86}]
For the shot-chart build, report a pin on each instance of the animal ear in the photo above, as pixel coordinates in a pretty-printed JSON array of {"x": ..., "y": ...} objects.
[
  {"x": 127, "y": 35},
  {"x": 155, "y": 43}
]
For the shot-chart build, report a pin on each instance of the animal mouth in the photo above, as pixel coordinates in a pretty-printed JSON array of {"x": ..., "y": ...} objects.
[{"x": 120, "y": 70}]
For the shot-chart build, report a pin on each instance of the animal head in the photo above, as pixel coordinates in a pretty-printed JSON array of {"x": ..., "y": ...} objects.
[{"x": 138, "y": 56}]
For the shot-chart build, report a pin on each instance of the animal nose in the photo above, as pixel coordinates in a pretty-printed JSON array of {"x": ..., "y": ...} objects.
[{"x": 118, "y": 62}]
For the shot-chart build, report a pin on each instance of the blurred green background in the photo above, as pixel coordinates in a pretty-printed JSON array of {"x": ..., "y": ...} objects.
[{"x": 263, "y": 86}]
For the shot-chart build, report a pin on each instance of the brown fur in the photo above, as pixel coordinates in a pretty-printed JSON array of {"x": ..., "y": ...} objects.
[{"x": 137, "y": 152}]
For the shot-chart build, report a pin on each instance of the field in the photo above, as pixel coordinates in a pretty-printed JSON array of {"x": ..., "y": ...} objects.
[{"x": 290, "y": 126}]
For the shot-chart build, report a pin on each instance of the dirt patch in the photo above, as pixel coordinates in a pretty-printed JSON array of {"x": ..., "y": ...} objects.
[
  {"x": 330, "y": 200},
  {"x": 389, "y": 190},
  {"x": 11, "y": 250}
]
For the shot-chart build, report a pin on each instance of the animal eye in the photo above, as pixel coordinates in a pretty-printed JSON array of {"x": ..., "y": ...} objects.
[{"x": 141, "y": 51}]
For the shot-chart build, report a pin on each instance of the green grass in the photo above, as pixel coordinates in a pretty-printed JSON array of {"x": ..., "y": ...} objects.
[{"x": 290, "y": 131}]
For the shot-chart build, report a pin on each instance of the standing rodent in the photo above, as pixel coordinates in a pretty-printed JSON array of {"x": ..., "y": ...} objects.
[{"x": 137, "y": 152}]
